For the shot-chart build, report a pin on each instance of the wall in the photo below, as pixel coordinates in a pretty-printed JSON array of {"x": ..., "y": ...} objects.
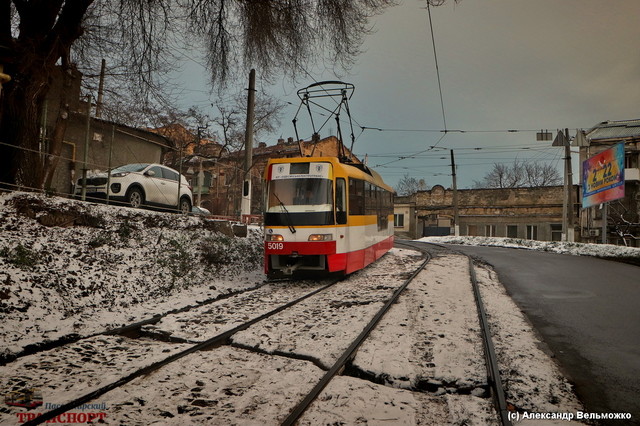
[
  {"x": 129, "y": 146},
  {"x": 494, "y": 212},
  {"x": 402, "y": 206}
]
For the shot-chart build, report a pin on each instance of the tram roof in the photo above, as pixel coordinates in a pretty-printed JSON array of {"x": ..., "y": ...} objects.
[{"x": 361, "y": 170}]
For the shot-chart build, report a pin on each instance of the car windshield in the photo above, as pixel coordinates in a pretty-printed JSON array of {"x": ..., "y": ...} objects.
[
  {"x": 300, "y": 195},
  {"x": 130, "y": 168}
]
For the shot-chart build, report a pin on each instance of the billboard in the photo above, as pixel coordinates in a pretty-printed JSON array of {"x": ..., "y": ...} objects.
[{"x": 603, "y": 177}]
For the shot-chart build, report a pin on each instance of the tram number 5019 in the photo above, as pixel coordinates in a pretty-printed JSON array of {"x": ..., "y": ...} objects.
[{"x": 275, "y": 246}]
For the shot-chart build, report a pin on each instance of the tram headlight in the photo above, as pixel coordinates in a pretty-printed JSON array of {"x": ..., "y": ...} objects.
[
  {"x": 320, "y": 237},
  {"x": 274, "y": 237}
]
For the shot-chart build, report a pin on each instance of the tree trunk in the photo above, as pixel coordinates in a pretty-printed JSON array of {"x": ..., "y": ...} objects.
[
  {"x": 47, "y": 30},
  {"x": 57, "y": 137},
  {"x": 20, "y": 157}
]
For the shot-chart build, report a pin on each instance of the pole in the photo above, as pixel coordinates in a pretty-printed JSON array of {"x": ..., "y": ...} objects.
[
  {"x": 456, "y": 218},
  {"x": 200, "y": 181},
  {"x": 86, "y": 151},
  {"x": 180, "y": 173},
  {"x": 605, "y": 213},
  {"x": 113, "y": 135},
  {"x": 569, "y": 229},
  {"x": 248, "y": 146}
]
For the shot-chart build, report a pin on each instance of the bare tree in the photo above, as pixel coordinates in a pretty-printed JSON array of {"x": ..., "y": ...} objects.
[
  {"x": 232, "y": 118},
  {"x": 141, "y": 39},
  {"x": 625, "y": 219},
  {"x": 409, "y": 185},
  {"x": 520, "y": 174}
]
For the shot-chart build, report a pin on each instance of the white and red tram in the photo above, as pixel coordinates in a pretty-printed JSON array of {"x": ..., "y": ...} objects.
[{"x": 323, "y": 215}]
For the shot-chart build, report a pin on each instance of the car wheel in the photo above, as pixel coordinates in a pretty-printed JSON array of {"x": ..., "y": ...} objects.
[
  {"x": 135, "y": 198},
  {"x": 185, "y": 206}
]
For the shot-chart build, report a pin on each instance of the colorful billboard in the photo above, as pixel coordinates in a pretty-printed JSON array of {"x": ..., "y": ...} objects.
[{"x": 603, "y": 177}]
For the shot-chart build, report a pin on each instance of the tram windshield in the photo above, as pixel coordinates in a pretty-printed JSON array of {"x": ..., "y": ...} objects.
[{"x": 300, "y": 195}]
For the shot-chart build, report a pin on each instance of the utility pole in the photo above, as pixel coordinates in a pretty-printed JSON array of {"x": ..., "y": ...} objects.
[
  {"x": 567, "y": 153},
  {"x": 200, "y": 175},
  {"x": 562, "y": 139},
  {"x": 456, "y": 218},
  {"x": 245, "y": 207},
  {"x": 200, "y": 181},
  {"x": 83, "y": 197}
]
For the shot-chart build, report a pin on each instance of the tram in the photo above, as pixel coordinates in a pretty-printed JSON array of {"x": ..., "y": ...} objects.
[{"x": 324, "y": 215}]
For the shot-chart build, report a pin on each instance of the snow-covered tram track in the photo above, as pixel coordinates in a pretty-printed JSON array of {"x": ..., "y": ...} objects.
[
  {"x": 421, "y": 364},
  {"x": 493, "y": 371},
  {"x": 217, "y": 340},
  {"x": 350, "y": 352},
  {"x": 129, "y": 329},
  {"x": 347, "y": 298}
]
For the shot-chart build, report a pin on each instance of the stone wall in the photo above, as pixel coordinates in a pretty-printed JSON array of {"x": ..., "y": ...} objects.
[{"x": 533, "y": 213}]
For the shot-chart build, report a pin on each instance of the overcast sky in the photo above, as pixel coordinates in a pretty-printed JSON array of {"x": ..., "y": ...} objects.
[{"x": 504, "y": 65}]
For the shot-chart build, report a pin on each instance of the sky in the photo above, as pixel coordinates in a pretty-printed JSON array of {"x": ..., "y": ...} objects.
[{"x": 504, "y": 65}]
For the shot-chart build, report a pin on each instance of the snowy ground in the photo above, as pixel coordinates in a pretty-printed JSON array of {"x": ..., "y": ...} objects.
[
  {"x": 422, "y": 365},
  {"x": 603, "y": 251}
]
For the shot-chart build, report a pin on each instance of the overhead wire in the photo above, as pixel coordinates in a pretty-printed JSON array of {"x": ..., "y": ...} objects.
[{"x": 435, "y": 56}]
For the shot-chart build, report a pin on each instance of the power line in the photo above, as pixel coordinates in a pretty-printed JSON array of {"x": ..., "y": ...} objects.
[
  {"x": 382, "y": 129},
  {"x": 435, "y": 56},
  {"x": 413, "y": 156}
]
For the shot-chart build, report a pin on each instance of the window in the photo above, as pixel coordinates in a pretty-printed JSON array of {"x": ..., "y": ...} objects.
[
  {"x": 556, "y": 232},
  {"x": 631, "y": 160},
  {"x": 299, "y": 169},
  {"x": 532, "y": 232},
  {"x": 490, "y": 231},
  {"x": 341, "y": 201},
  {"x": 512, "y": 231},
  {"x": 398, "y": 220},
  {"x": 300, "y": 195},
  {"x": 169, "y": 174},
  {"x": 356, "y": 197},
  {"x": 304, "y": 201}
]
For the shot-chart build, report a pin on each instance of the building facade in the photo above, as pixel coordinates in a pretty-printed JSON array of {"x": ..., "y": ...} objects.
[
  {"x": 526, "y": 213},
  {"x": 622, "y": 216},
  {"x": 108, "y": 144}
]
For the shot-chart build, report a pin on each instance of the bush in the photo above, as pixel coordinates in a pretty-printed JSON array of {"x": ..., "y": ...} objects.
[{"x": 20, "y": 256}]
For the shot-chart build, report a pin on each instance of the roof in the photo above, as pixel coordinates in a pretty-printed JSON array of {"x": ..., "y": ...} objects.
[
  {"x": 624, "y": 129},
  {"x": 121, "y": 128}
]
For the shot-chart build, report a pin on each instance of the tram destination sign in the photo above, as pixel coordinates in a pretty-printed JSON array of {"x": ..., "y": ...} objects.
[{"x": 603, "y": 177}]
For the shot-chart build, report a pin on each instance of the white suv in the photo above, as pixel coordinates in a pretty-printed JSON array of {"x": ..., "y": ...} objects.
[{"x": 141, "y": 184}]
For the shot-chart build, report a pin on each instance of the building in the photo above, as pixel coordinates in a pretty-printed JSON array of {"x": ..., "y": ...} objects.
[
  {"x": 108, "y": 144},
  {"x": 405, "y": 221},
  {"x": 527, "y": 213},
  {"x": 623, "y": 215}
]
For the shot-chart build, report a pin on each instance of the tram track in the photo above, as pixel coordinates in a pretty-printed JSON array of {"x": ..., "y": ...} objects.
[
  {"x": 218, "y": 340},
  {"x": 348, "y": 354},
  {"x": 208, "y": 344},
  {"x": 338, "y": 367},
  {"x": 493, "y": 371},
  {"x": 35, "y": 348}
]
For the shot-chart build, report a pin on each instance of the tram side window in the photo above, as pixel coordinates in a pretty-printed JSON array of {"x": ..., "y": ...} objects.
[
  {"x": 356, "y": 197},
  {"x": 369, "y": 200},
  {"x": 341, "y": 202}
]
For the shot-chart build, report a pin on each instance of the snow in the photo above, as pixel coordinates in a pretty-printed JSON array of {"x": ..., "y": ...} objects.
[
  {"x": 604, "y": 251},
  {"x": 422, "y": 364}
]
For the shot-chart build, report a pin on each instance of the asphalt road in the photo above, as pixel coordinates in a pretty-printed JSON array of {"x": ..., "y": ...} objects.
[{"x": 587, "y": 311}]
